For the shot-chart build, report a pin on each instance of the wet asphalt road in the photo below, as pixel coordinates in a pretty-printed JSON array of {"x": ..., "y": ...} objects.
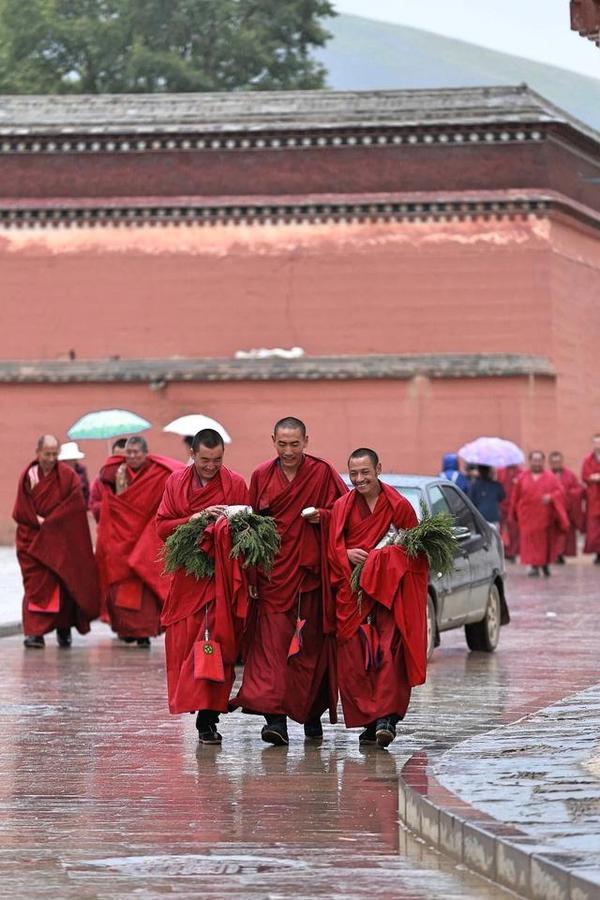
[{"x": 103, "y": 794}]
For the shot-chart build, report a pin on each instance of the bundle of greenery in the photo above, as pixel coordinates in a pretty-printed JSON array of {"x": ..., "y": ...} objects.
[
  {"x": 433, "y": 537},
  {"x": 254, "y": 539}
]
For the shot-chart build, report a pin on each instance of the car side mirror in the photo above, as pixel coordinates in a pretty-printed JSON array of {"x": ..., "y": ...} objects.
[{"x": 461, "y": 532}]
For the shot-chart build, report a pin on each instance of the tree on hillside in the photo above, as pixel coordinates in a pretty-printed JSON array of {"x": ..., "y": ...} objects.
[{"x": 121, "y": 46}]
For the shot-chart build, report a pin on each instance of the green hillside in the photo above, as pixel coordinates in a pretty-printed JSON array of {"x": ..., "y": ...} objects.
[{"x": 367, "y": 55}]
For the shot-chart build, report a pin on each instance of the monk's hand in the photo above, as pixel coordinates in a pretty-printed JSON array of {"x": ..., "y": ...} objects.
[
  {"x": 546, "y": 498},
  {"x": 314, "y": 518},
  {"x": 216, "y": 510},
  {"x": 357, "y": 555},
  {"x": 40, "y": 520},
  {"x": 194, "y": 516}
]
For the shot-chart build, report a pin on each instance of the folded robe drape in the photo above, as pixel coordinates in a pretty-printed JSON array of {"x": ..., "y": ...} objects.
[
  {"x": 219, "y": 603},
  {"x": 564, "y": 542},
  {"x": 301, "y": 686},
  {"x": 394, "y": 596},
  {"x": 56, "y": 554},
  {"x": 128, "y": 550}
]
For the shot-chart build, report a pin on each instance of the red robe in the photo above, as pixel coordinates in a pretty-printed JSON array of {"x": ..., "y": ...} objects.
[
  {"x": 219, "y": 603},
  {"x": 302, "y": 685},
  {"x": 394, "y": 599},
  {"x": 564, "y": 543},
  {"x": 537, "y": 519},
  {"x": 128, "y": 549},
  {"x": 591, "y": 466},
  {"x": 105, "y": 480},
  {"x": 509, "y": 528},
  {"x": 56, "y": 557}
]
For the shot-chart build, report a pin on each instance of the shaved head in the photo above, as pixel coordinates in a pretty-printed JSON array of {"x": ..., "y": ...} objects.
[
  {"x": 364, "y": 452},
  {"x": 46, "y": 440},
  {"x": 291, "y": 422}
]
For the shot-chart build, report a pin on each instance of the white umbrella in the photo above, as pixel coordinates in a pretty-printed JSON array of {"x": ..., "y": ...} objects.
[
  {"x": 492, "y": 451},
  {"x": 191, "y": 424}
]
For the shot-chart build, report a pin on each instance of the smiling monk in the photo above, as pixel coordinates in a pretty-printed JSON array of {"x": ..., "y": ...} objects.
[
  {"x": 217, "y": 605},
  {"x": 290, "y": 664},
  {"x": 381, "y": 632}
]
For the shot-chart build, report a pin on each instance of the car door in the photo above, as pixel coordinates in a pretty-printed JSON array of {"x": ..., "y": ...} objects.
[
  {"x": 477, "y": 546},
  {"x": 456, "y": 587}
]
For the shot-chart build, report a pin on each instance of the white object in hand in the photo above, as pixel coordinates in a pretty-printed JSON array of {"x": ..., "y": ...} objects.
[
  {"x": 233, "y": 510},
  {"x": 308, "y": 511}
]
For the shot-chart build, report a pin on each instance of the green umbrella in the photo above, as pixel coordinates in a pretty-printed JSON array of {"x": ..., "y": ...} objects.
[{"x": 107, "y": 423}]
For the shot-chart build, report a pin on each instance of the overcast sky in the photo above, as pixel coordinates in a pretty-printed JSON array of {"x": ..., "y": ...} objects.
[{"x": 538, "y": 29}]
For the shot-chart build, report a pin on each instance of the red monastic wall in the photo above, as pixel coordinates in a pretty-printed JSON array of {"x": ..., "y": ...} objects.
[
  {"x": 490, "y": 286},
  {"x": 428, "y": 287}
]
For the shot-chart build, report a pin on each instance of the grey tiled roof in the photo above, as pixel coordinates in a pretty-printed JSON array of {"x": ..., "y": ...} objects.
[{"x": 281, "y": 110}]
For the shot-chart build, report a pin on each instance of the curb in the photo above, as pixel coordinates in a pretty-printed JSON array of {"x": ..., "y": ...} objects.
[
  {"x": 8, "y": 629},
  {"x": 500, "y": 852}
]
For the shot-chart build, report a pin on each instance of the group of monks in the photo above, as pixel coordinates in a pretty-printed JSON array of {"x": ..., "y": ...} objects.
[
  {"x": 305, "y": 637},
  {"x": 544, "y": 509}
]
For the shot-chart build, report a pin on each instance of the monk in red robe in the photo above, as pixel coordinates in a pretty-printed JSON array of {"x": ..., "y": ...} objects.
[
  {"x": 128, "y": 547},
  {"x": 381, "y": 631},
  {"x": 538, "y": 505},
  {"x": 590, "y": 475},
  {"x": 54, "y": 549},
  {"x": 509, "y": 528},
  {"x": 565, "y": 542},
  {"x": 215, "y": 605},
  {"x": 290, "y": 666},
  {"x": 106, "y": 478}
]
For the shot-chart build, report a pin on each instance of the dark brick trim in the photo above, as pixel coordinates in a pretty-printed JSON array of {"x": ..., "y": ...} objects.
[{"x": 159, "y": 372}]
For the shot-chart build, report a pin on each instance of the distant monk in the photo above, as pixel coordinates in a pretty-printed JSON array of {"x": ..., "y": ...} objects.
[
  {"x": 565, "y": 542},
  {"x": 538, "y": 505},
  {"x": 217, "y": 604},
  {"x": 290, "y": 664},
  {"x": 128, "y": 546},
  {"x": 381, "y": 632},
  {"x": 106, "y": 478},
  {"x": 71, "y": 455},
  {"x": 509, "y": 527},
  {"x": 590, "y": 475},
  {"x": 54, "y": 549}
]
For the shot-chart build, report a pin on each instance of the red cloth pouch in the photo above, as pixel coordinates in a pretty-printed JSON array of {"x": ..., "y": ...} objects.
[
  {"x": 296, "y": 642},
  {"x": 129, "y": 594},
  {"x": 53, "y": 605},
  {"x": 208, "y": 661}
]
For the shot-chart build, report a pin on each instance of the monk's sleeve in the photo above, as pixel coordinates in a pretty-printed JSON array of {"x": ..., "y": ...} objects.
[
  {"x": 254, "y": 491},
  {"x": 166, "y": 520},
  {"x": 513, "y": 511}
]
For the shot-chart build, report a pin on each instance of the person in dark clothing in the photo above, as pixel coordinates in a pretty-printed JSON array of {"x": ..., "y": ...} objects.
[
  {"x": 487, "y": 494},
  {"x": 451, "y": 471}
]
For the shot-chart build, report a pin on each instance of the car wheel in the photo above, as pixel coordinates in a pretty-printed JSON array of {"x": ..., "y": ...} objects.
[
  {"x": 431, "y": 626},
  {"x": 484, "y": 635}
]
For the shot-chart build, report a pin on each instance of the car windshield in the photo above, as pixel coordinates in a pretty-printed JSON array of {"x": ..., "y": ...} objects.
[{"x": 413, "y": 495}]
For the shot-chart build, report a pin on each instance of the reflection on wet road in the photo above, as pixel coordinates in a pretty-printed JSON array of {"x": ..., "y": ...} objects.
[{"x": 103, "y": 794}]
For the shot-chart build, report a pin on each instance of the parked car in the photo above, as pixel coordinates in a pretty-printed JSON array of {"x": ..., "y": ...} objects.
[{"x": 473, "y": 595}]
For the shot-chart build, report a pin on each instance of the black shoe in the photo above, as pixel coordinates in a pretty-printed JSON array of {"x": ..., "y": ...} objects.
[
  {"x": 597, "y": 560},
  {"x": 126, "y": 640},
  {"x": 560, "y": 560},
  {"x": 385, "y": 732},
  {"x": 313, "y": 728},
  {"x": 34, "y": 641},
  {"x": 368, "y": 736},
  {"x": 534, "y": 572},
  {"x": 143, "y": 642},
  {"x": 510, "y": 559},
  {"x": 546, "y": 571},
  {"x": 206, "y": 723},
  {"x": 63, "y": 636},
  {"x": 275, "y": 731}
]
